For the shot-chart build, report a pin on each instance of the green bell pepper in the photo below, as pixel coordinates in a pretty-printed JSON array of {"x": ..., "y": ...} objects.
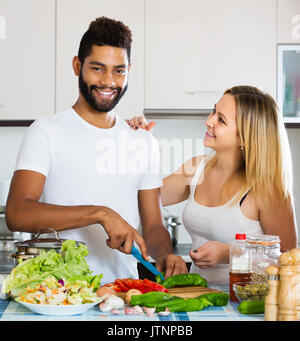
[
  {"x": 217, "y": 299},
  {"x": 191, "y": 279},
  {"x": 188, "y": 304},
  {"x": 151, "y": 297},
  {"x": 161, "y": 301}
]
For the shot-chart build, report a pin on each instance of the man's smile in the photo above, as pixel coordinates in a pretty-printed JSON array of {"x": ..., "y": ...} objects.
[{"x": 105, "y": 94}]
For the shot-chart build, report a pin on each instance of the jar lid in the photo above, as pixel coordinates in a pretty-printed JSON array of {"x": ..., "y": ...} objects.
[
  {"x": 263, "y": 239},
  {"x": 240, "y": 236}
]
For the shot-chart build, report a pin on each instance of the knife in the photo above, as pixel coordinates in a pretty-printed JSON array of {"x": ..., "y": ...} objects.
[{"x": 135, "y": 252}]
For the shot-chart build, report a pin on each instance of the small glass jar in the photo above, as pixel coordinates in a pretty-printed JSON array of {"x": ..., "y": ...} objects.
[{"x": 264, "y": 250}]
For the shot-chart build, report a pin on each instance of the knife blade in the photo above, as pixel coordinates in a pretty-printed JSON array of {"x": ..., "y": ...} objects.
[{"x": 135, "y": 252}]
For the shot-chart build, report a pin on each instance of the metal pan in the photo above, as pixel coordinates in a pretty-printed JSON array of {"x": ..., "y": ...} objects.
[{"x": 35, "y": 246}]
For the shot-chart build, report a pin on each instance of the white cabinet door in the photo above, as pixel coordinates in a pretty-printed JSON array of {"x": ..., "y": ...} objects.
[
  {"x": 288, "y": 22},
  {"x": 27, "y": 59},
  {"x": 73, "y": 19},
  {"x": 196, "y": 49}
]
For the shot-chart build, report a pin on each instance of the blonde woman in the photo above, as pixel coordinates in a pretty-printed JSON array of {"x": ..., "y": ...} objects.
[{"x": 243, "y": 185}]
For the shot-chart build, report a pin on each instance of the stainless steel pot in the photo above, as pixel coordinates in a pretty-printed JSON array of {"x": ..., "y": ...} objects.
[
  {"x": 7, "y": 247},
  {"x": 33, "y": 247}
]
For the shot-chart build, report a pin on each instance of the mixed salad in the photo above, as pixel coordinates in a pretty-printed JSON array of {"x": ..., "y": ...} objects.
[
  {"x": 60, "y": 292},
  {"x": 70, "y": 264}
]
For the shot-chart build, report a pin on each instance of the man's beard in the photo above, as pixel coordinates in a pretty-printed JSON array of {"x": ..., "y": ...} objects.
[{"x": 90, "y": 98}]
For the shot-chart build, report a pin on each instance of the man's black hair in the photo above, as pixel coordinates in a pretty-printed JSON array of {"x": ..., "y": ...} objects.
[{"x": 105, "y": 32}]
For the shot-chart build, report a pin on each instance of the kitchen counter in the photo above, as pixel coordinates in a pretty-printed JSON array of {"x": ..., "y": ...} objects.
[
  {"x": 13, "y": 311},
  {"x": 183, "y": 250}
]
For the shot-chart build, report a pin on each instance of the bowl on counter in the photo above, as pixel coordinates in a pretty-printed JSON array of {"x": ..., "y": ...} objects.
[
  {"x": 58, "y": 310},
  {"x": 252, "y": 291}
]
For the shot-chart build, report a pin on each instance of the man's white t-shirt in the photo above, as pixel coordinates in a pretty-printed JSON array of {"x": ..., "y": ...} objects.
[{"x": 86, "y": 165}]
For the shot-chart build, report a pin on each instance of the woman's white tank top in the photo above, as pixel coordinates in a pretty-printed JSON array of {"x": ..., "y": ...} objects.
[{"x": 219, "y": 223}]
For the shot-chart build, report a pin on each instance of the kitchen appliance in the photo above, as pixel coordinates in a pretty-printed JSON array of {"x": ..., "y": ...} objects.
[
  {"x": 33, "y": 247},
  {"x": 172, "y": 225},
  {"x": 7, "y": 247}
]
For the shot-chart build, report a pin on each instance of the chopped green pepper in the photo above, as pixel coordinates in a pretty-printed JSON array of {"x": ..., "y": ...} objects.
[
  {"x": 252, "y": 307},
  {"x": 182, "y": 280}
]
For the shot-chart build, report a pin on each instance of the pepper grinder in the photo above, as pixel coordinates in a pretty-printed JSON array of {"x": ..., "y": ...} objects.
[
  {"x": 296, "y": 254},
  {"x": 287, "y": 297},
  {"x": 272, "y": 299}
]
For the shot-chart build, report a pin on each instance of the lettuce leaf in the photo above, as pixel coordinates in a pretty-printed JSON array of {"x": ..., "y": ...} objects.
[{"x": 69, "y": 264}]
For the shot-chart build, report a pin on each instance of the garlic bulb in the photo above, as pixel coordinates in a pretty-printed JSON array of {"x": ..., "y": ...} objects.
[
  {"x": 105, "y": 307},
  {"x": 115, "y": 302}
]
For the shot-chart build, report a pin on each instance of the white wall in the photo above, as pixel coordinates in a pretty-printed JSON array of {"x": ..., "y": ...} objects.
[{"x": 11, "y": 137}]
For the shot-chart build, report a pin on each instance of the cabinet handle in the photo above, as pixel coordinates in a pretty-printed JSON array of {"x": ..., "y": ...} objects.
[{"x": 203, "y": 93}]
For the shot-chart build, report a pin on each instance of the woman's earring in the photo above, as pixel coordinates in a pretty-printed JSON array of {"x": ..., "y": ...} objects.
[{"x": 242, "y": 148}]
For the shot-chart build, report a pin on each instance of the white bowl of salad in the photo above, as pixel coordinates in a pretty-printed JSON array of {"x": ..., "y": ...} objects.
[{"x": 57, "y": 297}]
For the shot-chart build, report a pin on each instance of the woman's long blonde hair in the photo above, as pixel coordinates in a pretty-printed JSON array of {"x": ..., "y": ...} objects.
[{"x": 267, "y": 164}]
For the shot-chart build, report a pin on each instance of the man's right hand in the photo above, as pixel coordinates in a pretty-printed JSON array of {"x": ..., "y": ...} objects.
[{"x": 120, "y": 234}]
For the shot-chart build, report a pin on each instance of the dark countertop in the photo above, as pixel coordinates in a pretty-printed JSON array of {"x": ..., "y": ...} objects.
[{"x": 183, "y": 249}]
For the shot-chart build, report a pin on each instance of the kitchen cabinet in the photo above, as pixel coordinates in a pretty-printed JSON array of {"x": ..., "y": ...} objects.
[
  {"x": 194, "y": 50},
  {"x": 288, "y": 61},
  {"x": 288, "y": 21},
  {"x": 73, "y": 20},
  {"x": 27, "y": 59},
  {"x": 288, "y": 93}
]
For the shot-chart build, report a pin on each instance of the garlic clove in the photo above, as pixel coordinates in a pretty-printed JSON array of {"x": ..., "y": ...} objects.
[
  {"x": 129, "y": 311},
  {"x": 149, "y": 311},
  {"x": 165, "y": 313},
  {"x": 138, "y": 310}
]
